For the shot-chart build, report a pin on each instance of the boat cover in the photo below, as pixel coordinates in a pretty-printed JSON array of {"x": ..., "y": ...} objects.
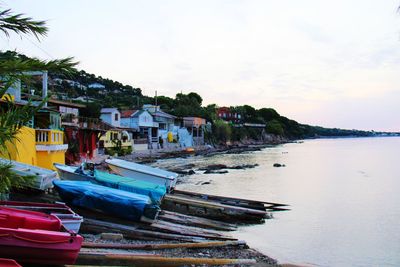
[
  {"x": 154, "y": 191},
  {"x": 116, "y": 202}
]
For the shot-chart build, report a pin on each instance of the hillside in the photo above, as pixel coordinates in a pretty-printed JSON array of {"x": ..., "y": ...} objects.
[{"x": 79, "y": 87}]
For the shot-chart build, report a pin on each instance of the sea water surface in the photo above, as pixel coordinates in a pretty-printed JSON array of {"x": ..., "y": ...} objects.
[{"x": 344, "y": 196}]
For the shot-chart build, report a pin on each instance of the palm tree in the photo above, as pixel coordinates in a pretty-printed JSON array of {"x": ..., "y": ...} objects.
[{"x": 13, "y": 68}]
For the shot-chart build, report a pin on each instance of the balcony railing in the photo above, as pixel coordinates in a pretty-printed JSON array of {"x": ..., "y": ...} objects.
[
  {"x": 84, "y": 122},
  {"x": 49, "y": 137}
]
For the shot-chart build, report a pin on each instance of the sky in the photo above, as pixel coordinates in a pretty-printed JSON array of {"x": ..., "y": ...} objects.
[{"x": 330, "y": 63}]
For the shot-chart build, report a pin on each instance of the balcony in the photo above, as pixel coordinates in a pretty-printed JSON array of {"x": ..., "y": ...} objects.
[
  {"x": 49, "y": 137},
  {"x": 50, "y": 140}
]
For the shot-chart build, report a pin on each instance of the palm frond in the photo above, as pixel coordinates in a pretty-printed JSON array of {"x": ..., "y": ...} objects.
[{"x": 21, "y": 24}]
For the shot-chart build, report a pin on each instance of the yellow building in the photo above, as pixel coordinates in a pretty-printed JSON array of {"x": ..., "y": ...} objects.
[
  {"x": 39, "y": 147},
  {"x": 40, "y": 143},
  {"x": 109, "y": 140}
]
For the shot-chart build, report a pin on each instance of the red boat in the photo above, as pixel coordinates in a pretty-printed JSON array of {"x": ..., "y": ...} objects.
[
  {"x": 69, "y": 219},
  {"x": 8, "y": 263},
  {"x": 35, "y": 237}
]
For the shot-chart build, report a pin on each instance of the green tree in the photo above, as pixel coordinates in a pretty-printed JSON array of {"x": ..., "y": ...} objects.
[
  {"x": 12, "y": 69},
  {"x": 222, "y": 131},
  {"x": 274, "y": 127}
]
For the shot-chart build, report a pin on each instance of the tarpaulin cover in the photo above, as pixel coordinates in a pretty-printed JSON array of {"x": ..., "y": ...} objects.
[
  {"x": 154, "y": 191},
  {"x": 116, "y": 202}
]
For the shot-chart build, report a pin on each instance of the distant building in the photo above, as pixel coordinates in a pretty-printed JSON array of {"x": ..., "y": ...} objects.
[
  {"x": 226, "y": 114},
  {"x": 165, "y": 121},
  {"x": 147, "y": 130},
  {"x": 111, "y": 116},
  {"x": 195, "y": 127},
  {"x": 96, "y": 86}
]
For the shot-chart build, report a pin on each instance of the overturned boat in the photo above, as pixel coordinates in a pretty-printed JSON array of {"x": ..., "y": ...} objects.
[
  {"x": 155, "y": 192},
  {"x": 112, "y": 201},
  {"x": 43, "y": 178}
]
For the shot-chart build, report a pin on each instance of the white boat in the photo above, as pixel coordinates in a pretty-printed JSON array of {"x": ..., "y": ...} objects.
[
  {"x": 43, "y": 177},
  {"x": 143, "y": 172},
  {"x": 73, "y": 173}
]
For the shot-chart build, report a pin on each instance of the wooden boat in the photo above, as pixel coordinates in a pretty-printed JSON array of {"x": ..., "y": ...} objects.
[
  {"x": 69, "y": 219},
  {"x": 143, "y": 172},
  {"x": 155, "y": 191},
  {"x": 73, "y": 173},
  {"x": 43, "y": 177},
  {"x": 196, "y": 204},
  {"x": 108, "y": 200},
  {"x": 36, "y": 238},
  {"x": 9, "y": 263}
]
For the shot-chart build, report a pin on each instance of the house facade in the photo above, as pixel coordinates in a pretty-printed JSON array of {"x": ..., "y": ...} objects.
[
  {"x": 119, "y": 137},
  {"x": 226, "y": 114},
  {"x": 111, "y": 116},
  {"x": 41, "y": 142},
  {"x": 195, "y": 127}
]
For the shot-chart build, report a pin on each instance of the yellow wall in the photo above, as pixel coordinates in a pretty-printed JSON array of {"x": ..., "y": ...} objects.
[
  {"x": 45, "y": 159},
  {"x": 24, "y": 149}
]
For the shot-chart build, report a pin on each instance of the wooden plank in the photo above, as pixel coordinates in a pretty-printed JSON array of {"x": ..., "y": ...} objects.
[
  {"x": 96, "y": 226},
  {"x": 195, "y": 221},
  {"x": 164, "y": 246},
  {"x": 223, "y": 198},
  {"x": 214, "y": 205},
  {"x": 212, "y": 210},
  {"x": 189, "y": 231},
  {"x": 146, "y": 260}
]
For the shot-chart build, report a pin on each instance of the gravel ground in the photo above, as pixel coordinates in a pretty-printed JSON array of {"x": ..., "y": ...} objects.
[{"x": 233, "y": 252}]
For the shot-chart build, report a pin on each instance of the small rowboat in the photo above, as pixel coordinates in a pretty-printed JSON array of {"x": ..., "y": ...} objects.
[
  {"x": 112, "y": 201},
  {"x": 143, "y": 172},
  {"x": 36, "y": 238},
  {"x": 69, "y": 219},
  {"x": 43, "y": 177},
  {"x": 155, "y": 191},
  {"x": 8, "y": 263}
]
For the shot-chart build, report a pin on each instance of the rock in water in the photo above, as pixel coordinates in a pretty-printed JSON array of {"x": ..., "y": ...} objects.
[{"x": 279, "y": 165}]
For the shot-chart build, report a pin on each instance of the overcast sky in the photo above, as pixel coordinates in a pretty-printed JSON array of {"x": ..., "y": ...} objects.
[{"x": 330, "y": 63}]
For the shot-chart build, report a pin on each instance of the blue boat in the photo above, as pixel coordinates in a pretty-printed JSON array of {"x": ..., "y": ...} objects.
[
  {"x": 123, "y": 204},
  {"x": 156, "y": 192}
]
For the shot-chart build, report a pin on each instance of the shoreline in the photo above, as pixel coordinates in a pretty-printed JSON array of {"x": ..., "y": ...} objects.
[{"x": 262, "y": 259}]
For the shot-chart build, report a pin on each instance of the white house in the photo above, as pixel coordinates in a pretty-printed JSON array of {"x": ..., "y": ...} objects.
[
  {"x": 96, "y": 86},
  {"x": 143, "y": 122},
  {"x": 111, "y": 116}
]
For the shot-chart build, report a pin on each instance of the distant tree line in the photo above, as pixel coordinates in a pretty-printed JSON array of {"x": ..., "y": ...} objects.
[{"x": 123, "y": 96}]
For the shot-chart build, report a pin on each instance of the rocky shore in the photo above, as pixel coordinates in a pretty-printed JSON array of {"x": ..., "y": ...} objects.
[{"x": 226, "y": 252}]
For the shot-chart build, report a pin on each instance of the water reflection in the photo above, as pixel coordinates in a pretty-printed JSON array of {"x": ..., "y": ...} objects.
[{"x": 344, "y": 195}]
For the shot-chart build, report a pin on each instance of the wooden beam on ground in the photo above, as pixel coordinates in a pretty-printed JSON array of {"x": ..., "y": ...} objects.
[
  {"x": 130, "y": 259},
  {"x": 165, "y": 245},
  {"x": 211, "y": 209},
  {"x": 191, "y": 220},
  {"x": 222, "y": 198},
  {"x": 96, "y": 226}
]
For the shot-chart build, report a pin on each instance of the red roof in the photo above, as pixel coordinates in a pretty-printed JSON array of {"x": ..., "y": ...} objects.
[{"x": 127, "y": 113}]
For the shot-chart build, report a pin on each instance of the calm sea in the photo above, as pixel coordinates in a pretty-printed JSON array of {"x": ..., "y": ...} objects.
[{"x": 344, "y": 196}]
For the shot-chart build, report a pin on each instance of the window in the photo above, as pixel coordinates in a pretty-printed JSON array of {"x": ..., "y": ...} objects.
[{"x": 116, "y": 116}]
